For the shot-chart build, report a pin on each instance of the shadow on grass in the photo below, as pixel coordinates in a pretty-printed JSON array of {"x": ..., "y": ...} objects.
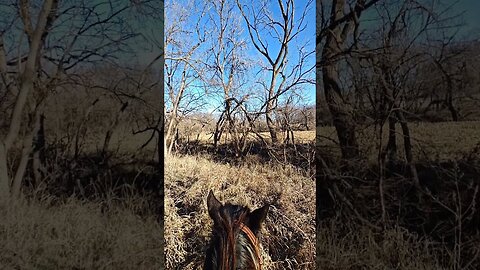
[
  {"x": 98, "y": 179},
  {"x": 443, "y": 209},
  {"x": 300, "y": 155}
]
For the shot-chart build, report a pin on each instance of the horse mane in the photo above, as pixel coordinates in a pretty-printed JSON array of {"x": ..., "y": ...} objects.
[{"x": 233, "y": 244}]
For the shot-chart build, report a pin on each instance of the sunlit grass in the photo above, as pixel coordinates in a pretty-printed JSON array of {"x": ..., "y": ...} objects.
[
  {"x": 289, "y": 231},
  {"x": 435, "y": 141}
]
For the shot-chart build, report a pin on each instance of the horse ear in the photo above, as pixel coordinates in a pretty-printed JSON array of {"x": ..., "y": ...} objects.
[
  {"x": 213, "y": 205},
  {"x": 257, "y": 217}
]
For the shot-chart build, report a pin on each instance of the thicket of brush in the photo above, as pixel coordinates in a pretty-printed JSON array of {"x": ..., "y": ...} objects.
[
  {"x": 89, "y": 211},
  {"x": 432, "y": 225}
]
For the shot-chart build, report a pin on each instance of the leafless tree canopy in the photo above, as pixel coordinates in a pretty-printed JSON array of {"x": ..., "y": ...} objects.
[
  {"x": 252, "y": 58},
  {"x": 385, "y": 71},
  {"x": 52, "y": 51}
]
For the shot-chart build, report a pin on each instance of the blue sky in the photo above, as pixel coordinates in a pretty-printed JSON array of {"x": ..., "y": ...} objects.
[
  {"x": 305, "y": 37},
  {"x": 471, "y": 16},
  {"x": 253, "y": 56},
  {"x": 463, "y": 14}
]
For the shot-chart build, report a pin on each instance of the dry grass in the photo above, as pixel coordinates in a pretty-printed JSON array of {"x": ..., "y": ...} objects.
[
  {"x": 288, "y": 234},
  {"x": 433, "y": 141},
  {"x": 361, "y": 248},
  {"x": 77, "y": 235},
  {"x": 300, "y": 137},
  {"x": 428, "y": 236}
]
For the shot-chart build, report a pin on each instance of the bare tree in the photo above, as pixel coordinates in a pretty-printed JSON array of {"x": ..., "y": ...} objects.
[
  {"x": 227, "y": 65},
  {"x": 337, "y": 38},
  {"x": 61, "y": 38},
  {"x": 284, "y": 28},
  {"x": 184, "y": 68},
  {"x": 446, "y": 60},
  {"x": 36, "y": 34}
]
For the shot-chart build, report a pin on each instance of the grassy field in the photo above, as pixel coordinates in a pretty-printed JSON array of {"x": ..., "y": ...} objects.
[
  {"x": 300, "y": 137},
  {"x": 288, "y": 235},
  {"x": 79, "y": 235},
  {"x": 432, "y": 141},
  {"x": 362, "y": 248}
]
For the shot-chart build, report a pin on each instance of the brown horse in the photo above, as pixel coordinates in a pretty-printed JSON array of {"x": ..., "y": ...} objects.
[{"x": 234, "y": 244}]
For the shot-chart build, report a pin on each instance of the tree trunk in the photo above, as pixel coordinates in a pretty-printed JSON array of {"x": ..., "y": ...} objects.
[
  {"x": 28, "y": 144},
  {"x": 169, "y": 134},
  {"x": 4, "y": 178},
  {"x": 173, "y": 140},
  {"x": 448, "y": 101},
  {"x": 80, "y": 132},
  {"x": 38, "y": 161},
  {"x": 110, "y": 130},
  {"x": 407, "y": 143},
  {"x": 451, "y": 107},
  {"x": 340, "y": 109},
  {"x": 341, "y": 114},
  {"x": 218, "y": 130},
  {"x": 36, "y": 39},
  {"x": 392, "y": 143},
  {"x": 22, "y": 166},
  {"x": 272, "y": 129}
]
